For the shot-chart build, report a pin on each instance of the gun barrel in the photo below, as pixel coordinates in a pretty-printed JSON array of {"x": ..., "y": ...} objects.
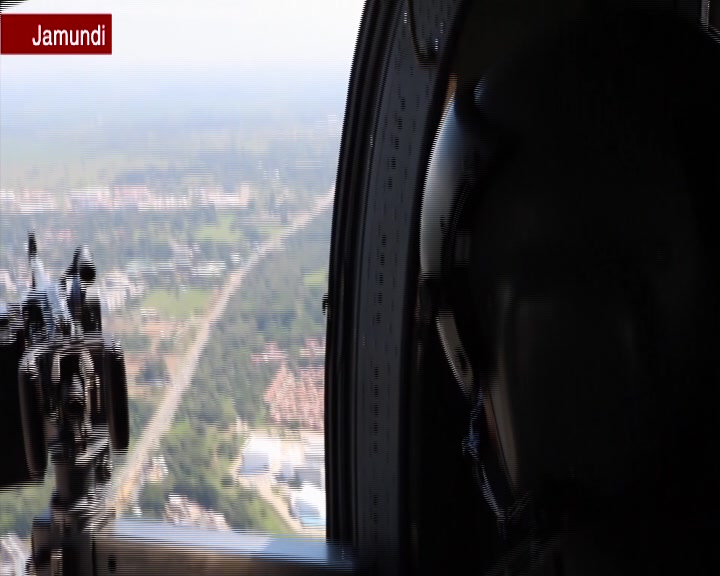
[{"x": 37, "y": 270}]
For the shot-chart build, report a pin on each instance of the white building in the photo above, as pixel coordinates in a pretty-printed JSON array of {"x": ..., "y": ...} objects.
[
  {"x": 308, "y": 504},
  {"x": 315, "y": 456},
  {"x": 255, "y": 463},
  {"x": 209, "y": 269},
  {"x": 292, "y": 460},
  {"x": 311, "y": 475},
  {"x": 260, "y": 455}
]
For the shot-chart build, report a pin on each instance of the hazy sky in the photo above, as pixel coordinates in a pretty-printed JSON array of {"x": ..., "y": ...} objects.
[{"x": 227, "y": 36}]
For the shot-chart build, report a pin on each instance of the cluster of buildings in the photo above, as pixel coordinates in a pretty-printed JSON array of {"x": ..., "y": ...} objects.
[
  {"x": 240, "y": 198},
  {"x": 297, "y": 399},
  {"x": 183, "y": 264},
  {"x": 314, "y": 349},
  {"x": 181, "y": 511},
  {"x": 299, "y": 468},
  {"x": 114, "y": 288},
  {"x": 140, "y": 197},
  {"x": 309, "y": 506},
  {"x": 211, "y": 269},
  {"x": 27, "y": 201},
  {"x": 117, "y": 287},
  {"x": 271, "y": 353}
]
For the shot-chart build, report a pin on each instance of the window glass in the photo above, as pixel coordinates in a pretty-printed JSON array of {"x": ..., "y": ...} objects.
[{"x": 198, "y": 164}]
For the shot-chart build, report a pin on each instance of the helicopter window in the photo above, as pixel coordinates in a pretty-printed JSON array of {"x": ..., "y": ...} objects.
[{"x": 198, "y": 163}]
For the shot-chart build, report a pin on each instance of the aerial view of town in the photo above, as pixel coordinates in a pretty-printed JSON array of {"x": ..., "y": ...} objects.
[{"x": 210, "y": 233}]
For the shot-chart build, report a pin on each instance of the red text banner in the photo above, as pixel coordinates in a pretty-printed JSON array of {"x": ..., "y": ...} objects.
[{"x": 56, "y": 34}]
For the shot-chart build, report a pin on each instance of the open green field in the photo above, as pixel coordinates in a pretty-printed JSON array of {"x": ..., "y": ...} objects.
[
  {"x": 270, "y": 230},
  {"x": 154, "y": 232},
  {"x": 318, "y": 278},
  {"x": 221, "y": 231},
  {"x": 168, "y": 304}
]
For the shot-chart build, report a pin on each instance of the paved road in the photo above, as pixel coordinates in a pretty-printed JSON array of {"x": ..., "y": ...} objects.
[{"x": 128, "y": 477}]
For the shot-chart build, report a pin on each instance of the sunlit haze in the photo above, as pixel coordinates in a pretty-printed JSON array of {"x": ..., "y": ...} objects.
[{"x": 314, "y": 37}]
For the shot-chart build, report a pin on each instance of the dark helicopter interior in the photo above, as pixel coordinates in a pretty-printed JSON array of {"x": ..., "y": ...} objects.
[
  {"x": 447, "y": 49},
  {"x": 404, "y": 493}
]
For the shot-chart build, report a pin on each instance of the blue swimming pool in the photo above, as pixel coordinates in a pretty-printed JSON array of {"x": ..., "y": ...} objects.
[{"x": 312, "y": 521}]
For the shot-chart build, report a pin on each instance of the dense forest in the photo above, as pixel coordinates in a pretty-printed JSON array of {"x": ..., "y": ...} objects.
[{"x": 275, "y": 304}]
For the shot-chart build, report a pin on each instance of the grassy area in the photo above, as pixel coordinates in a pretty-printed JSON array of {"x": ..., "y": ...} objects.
[
  {"x": 239, "y": 504},
  {"x": 318, "y": 278},
  {"x": 220, "y": 232},
  {"x": 186, "y": 303},
  {"x": 270, "y": 230},
  {"x": 154, "y": 232}
]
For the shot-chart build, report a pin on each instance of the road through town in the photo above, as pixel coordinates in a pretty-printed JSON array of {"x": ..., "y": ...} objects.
[{"x": 126, "y": 479}]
